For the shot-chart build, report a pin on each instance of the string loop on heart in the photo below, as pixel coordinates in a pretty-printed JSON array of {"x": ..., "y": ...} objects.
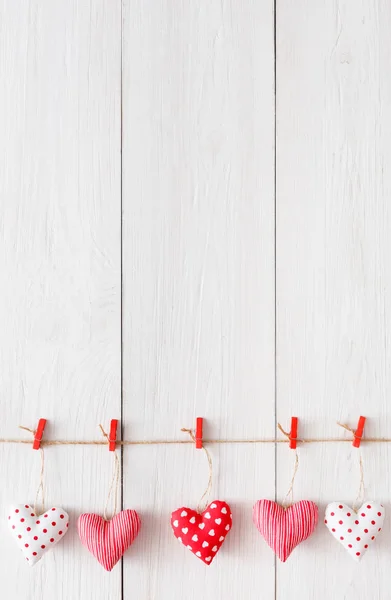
[
  {"x": 114, "y": 485},
  {"x": 288, "y": 500},
  {"x": 204, "y": 501},
  {"x": 41, "y": 487},
  {"x": 361, "y": 489}
]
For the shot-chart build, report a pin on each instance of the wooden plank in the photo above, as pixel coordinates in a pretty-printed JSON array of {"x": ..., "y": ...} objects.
[
  {"x": 198, "y": 194},
  {"x": 59, "y": 271},
  {"x": 333, "y": 278}
]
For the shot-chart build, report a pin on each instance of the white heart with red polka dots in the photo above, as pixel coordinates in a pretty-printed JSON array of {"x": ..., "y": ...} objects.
[
  {"x": 356, "y": 530},
  {"x": 34, "y": 534}
]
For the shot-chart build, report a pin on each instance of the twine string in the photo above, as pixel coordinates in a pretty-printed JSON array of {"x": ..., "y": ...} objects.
[
  {"x": 163, "y": 442},
  {"x": 352, "y": 431},
  {"x": 114, "y": 484},
  {"x": 28, "y": 429},
  {"x": 288, "y": 500},
  {"x": 41, "y": 487},
  {"x": 288, "y": 435},
  {"x": 203, "y": 503},
  {"x": 361, "y": 490},
  {"x": 285, "y": 440}
]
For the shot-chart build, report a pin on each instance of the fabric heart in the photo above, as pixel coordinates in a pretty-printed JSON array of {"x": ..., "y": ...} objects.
[
  {"x": 285, "y": 528},
  {"x": 34, "y": 534},
  {"x": 203, "y": 533},
  {"x": 355, "y": 530},
  {"x": 108, "y": 540}
]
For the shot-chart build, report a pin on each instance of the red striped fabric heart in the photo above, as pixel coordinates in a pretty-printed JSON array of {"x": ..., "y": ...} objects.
[
  {"x": 108, "y": 540},
  {"x": 203, "y": 534},
  {"x": 285, "y": 528}
]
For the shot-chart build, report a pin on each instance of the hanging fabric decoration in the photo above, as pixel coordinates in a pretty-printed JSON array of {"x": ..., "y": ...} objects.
[
  {"x": 35, "y": 529},
  {"x": 107, "y": 539},
  {"x": 285, "y": 526},
  {"x": 204, "y": 530},
  {"x": 355, "y": 527}
]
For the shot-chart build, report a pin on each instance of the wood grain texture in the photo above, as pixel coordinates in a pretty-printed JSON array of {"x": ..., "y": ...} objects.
[
  {"x": 198, "y": 269},
  {"x": 60, "y": 296},
  {"x": 333, "y": 278}
]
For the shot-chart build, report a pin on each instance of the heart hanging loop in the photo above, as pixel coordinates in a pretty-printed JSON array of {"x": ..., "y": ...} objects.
[
  {"x": 203, "y": 503},
  {"x": 41, "y": 487},
  {"x": 288, "y": 500},
  {"x": 361, "y": 489},
  {"x": 114, "y": 485},
  {"x": 357, "y": 435}
]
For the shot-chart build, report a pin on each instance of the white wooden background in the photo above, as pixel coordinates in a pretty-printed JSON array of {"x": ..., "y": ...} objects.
[{"x": 195, "y": 210}]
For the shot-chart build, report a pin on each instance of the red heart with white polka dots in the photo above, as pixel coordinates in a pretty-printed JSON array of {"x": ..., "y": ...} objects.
[
  {"x": 34, "y": 534},
  {"x": 355, "y": 530},
  {"x": 203, "y": 533}
]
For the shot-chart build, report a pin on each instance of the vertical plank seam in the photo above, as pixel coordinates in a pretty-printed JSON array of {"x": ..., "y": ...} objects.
[
  {"x": 121, "y": 283},
  {"x": 275, "y": 268}
]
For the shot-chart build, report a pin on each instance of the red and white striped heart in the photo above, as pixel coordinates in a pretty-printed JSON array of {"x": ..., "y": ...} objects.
[
  {"x": 34, "y": 534},
  {"x": 203, "y": 534},
  {"x": 355, "y": 530},
  {"x": 285, "y": 528},
  {"x": 108, "y": 540}
]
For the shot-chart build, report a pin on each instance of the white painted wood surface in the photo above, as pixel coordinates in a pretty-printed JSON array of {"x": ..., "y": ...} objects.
[
  {"x": 198, "y": 191},
  {"x": 333, "y": 226},
  {"x": 206, "y": 243},
  {"x": 60, "y": 270}
]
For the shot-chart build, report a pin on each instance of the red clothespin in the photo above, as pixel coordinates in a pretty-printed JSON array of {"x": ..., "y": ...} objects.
[
  {"x": 113, "y": 434},
  {"x": 198, "y": 434},
  {"x": 359, "y": 432},
  {"x": 38, "y": 434},
  {"x": 293, "y": 433}
]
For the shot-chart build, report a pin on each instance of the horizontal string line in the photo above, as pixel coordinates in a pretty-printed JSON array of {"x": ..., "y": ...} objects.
[{"x": 205, "y": 441}]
